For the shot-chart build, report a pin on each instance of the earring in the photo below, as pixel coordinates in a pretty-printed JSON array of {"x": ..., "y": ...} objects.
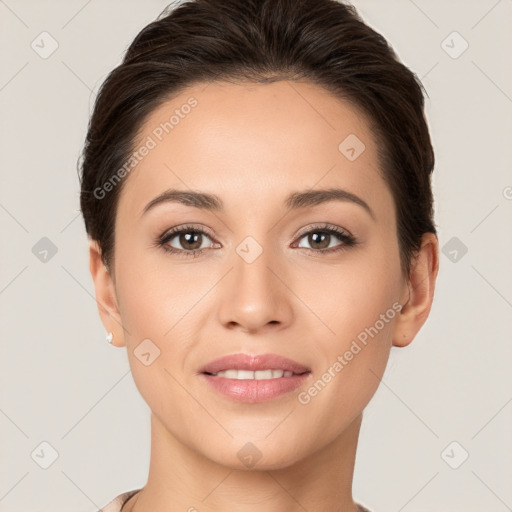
[{"x": 109, "y": 337}]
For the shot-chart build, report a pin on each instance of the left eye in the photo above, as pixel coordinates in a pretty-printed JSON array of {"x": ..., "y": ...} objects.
[{"x": 321, "y": 239}]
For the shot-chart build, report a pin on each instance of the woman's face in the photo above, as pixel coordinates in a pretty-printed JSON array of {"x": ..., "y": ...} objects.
[{"x": 269, "y": 278}]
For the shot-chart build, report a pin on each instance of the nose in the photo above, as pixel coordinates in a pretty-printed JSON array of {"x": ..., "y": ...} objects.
[{"x": 254, "y": 296}]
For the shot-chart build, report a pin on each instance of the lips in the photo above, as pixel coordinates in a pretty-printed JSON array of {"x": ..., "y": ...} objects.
[{"x": 254, "y": 363}]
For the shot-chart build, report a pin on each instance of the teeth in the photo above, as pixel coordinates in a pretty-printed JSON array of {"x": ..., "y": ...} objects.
[{"x": 257, "y": 375}]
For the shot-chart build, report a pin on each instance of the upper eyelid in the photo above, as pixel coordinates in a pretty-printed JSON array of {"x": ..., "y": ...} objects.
[
  {"x": 186, "y": 228},
  {"x": 325, "y": 227}
]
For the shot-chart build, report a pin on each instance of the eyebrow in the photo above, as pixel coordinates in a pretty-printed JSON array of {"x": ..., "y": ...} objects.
[{"x": 294, "y": 201}]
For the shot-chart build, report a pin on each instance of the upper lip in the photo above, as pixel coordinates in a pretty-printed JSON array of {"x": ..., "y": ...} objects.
[{"x": 254, "y": 362}]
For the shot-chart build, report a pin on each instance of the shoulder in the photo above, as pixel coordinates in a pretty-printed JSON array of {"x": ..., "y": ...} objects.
[{"x": 116, "y": 504}]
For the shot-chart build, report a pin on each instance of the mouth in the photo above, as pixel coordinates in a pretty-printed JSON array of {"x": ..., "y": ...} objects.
[
  {"x": 261, "y": 366},
  {"x": 248, "y": 378},
  {"x": 269, "y": 373}
]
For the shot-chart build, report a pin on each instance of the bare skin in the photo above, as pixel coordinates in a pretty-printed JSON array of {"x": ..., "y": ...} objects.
[{"x": 253, "y": 145}]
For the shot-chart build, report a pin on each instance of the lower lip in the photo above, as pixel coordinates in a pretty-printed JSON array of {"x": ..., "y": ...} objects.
[{"x": 251, "y": 390}]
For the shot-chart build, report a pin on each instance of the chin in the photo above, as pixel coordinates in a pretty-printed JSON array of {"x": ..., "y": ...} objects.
[{"x": 257, "y": 454}]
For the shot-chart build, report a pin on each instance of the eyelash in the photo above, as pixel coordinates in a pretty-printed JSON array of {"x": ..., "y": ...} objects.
[{"x": 347, "y": 239}]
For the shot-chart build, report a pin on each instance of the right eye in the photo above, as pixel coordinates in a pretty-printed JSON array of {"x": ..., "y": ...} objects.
[{"x": 188, "y": 237}]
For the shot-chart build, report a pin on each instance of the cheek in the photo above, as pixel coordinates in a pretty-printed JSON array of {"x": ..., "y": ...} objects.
[
  {"x": 159, "y": 308},
  {"x": 351, "y": 297},
  {"x": 363, "y": 330},
  {"x": 153, "y": 295},
  {"x": 353, "y": 359},
  {"x": 154, "y": 312},
  {"x": 358, "y": 306},
  {"x": 368, "y": 308}
]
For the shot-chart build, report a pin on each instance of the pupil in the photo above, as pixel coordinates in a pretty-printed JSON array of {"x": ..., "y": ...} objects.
[
  {"x": 185, "y": 239},
  {"x": 313, "y": 239}
]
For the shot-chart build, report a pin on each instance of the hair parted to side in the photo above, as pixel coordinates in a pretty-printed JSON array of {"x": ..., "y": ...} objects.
[{"x": 321, "y": 41}]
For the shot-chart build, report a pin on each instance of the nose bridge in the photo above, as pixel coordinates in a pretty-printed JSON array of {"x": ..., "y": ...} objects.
[
  {"x": 252, "y": 262},
  {"x": 253, "y": 296},
  {"x": 252, "y": 277},
  {"x": 255, "y": 252}
]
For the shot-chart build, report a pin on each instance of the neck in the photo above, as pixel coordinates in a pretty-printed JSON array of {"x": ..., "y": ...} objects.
[{"x": 181, "y": 479}]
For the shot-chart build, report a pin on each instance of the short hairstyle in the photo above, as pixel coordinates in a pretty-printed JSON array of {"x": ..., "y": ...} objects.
[{"x": 261, "y": 41}]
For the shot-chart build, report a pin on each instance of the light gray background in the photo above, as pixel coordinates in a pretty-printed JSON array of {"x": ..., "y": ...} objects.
[{"x": 62, "y": 384}]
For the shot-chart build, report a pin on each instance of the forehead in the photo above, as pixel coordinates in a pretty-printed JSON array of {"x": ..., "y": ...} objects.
[{"x": 254, "y": 142}]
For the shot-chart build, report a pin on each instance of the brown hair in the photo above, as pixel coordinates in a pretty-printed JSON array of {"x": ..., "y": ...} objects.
[{"x": 323, "y": 41}]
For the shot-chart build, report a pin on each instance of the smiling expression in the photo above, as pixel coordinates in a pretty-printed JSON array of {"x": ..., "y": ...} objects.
[{"x": 288, "y": 246}]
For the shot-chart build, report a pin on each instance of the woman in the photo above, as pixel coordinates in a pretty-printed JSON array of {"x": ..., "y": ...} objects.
[{"x": 256, "y": 190}]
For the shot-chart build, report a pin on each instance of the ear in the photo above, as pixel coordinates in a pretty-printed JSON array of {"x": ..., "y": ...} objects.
[
  {"x": 106, "y": 296},
  {"x": 418, "y": 292}
]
